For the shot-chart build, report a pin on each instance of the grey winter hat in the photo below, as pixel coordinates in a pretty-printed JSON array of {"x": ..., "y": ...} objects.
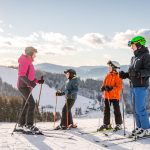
[
  {"x": 70, "y": 71},
  {"x": 30, "y": 50}
]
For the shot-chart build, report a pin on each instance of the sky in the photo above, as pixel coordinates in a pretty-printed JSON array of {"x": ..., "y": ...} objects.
[{"x": 72, "y": 32}]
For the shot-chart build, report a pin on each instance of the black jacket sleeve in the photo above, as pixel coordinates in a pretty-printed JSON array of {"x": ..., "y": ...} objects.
[{"x": 146, "y": 64}]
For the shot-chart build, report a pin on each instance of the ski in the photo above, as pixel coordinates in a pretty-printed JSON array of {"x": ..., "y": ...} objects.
[
  {"x": 60, "y": 137},
  {"x": 99, "y": 140},
  {"x": 46, "y": 135},
  {"x": 113, "y": 139},
  {"x": 111, "y": 133},
  {"x": 50, "y": 132},
  {"x": 127, "y": 141}
]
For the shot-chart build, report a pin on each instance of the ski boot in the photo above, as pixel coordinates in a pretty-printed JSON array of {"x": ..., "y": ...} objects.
[
  {"x": 104, "y": 127},
  {"x": 117, "y": 127},
  {"x": 31, "y": 129},
  {"x": 72, "y": 126},
  {"x": 59, "y": 127},
  {"x": 19, "y": 128}
]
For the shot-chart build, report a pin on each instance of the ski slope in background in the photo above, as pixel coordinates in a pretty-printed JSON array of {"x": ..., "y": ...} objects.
[{"x": 48, "y": 97}]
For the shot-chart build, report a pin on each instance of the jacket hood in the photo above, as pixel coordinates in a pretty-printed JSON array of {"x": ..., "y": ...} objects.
[{"x": 141, "y": 51}]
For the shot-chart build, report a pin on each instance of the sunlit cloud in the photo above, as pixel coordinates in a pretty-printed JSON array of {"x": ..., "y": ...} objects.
[
  {"x": 93, "y": 40},
  {"x": 1, "y": 21},
  {"x": 10, "y": 26},
  {"x": 1, "y": 30},
  {"x": 52, "y": 46},
  {"x": 121, "y": 39}
]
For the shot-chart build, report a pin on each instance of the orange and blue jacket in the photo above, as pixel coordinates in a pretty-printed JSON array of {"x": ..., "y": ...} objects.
[{"x": 112, "y": 79}]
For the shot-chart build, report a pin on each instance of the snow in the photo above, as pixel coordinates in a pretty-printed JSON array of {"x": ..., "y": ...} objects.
[{"x": 59, "y": 139}]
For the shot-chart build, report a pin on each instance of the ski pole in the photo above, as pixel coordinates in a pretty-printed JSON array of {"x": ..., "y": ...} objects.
[
  {"x": 22, "y": 111},
  {"x": 101, "y": 104},
  {"x": 55, "y": 113},
  {"x": 133, "y": 103},
  {"x": 123, "y": 112},
  {"x": 66, "y": 113},
  {"x": 38, "y": 102},
  {"x": 101, "y": 109}
]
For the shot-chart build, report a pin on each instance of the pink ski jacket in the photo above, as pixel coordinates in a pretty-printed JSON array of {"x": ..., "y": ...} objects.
[{"x": 26, "y": 72}]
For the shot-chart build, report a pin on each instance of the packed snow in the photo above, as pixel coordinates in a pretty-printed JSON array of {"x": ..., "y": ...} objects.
[{"x": 70, "y": 139}]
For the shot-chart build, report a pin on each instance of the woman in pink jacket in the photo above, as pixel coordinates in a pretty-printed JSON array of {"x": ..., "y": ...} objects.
[{"x": 26, "y": 82}]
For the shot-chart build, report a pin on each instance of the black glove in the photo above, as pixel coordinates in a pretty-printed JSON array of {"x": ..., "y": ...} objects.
[
  {"x": 134, "y": 73},
  {"x": 108, "y": 88},
  {"x": 123, "y": 75},
  {"x": 103, "y": 88},
  {"x": 58, "y": 93},
  {"x": 41, "y": 81},
  {"x": 33, "y": 84}
]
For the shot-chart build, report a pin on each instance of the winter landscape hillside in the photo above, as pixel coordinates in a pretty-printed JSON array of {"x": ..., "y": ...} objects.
[
  {"x": 48, "y": 97},
  {"x": 96, "y": 72},
  {"x": 81, "y": 138}
]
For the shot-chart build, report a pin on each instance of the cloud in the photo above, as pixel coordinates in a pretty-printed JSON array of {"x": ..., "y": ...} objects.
[
  {"x": 121, "y": 39},
  {"x": 53, "y": 37},
  {"x": 7, "y": 43},
  {"x": 1, "y": 21},
  {"x": 107, "y": 56},
  {"x": 8, "y": 61},
  {"x": 50, "y": 53},
  {"x": 10, "y": 26},
  {"x": 93, "y": 40},
  {"x": 68, "y": 48},
  {"x": 1, "y": 30},
  {"x": 56, "y": 45}
]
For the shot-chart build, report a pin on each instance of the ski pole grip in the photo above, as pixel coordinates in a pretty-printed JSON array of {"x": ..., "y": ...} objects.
[{"x": 41, "y": 77}]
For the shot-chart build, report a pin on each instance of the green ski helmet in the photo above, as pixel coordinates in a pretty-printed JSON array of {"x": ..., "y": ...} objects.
[{"x": 137, "y": 40}]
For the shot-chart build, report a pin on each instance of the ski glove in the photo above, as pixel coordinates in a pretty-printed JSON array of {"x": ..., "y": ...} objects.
[
  {"x": 41, "y": 81},
  {"x": 58, "y": 93},
  {"x": 103, "y": 88},
  {"x": 32, "y": 83},
  {"x": 123, "y": 75},
  {"x": 106, "y": 88}
]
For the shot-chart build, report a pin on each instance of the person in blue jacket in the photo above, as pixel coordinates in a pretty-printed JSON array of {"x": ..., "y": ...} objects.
[{"x": 70, "y": 93}]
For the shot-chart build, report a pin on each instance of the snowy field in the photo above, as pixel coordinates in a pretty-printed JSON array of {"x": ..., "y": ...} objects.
[{"x": 70, "y": 139}]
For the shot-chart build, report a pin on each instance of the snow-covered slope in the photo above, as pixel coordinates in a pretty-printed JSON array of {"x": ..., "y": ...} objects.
[
  {"x": 48, "y": 97},
  {"x": 70, "y": 139}
]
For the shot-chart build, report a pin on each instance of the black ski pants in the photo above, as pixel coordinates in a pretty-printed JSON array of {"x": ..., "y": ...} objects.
[
  {"x": 117, "y": 113},
  {"x": 68, "y": 105},
  {"x": 28, "y": 113}
]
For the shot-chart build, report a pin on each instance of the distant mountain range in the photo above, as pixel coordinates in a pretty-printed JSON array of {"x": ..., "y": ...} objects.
[{"x": 95, "y": 72}]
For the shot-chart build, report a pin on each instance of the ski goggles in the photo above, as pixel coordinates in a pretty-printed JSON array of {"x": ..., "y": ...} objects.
[{"x": 130, "y": 43}]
